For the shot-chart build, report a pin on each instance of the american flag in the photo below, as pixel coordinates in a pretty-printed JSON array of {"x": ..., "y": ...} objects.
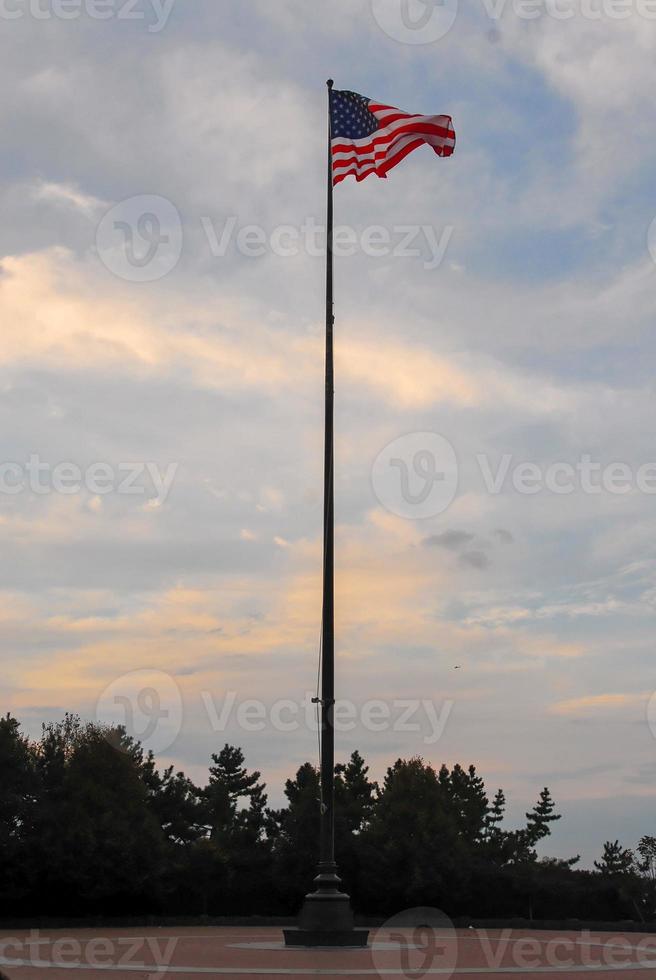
[{"x": 371, "y": 138}]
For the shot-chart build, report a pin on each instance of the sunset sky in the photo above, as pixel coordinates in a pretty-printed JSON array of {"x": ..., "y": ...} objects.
[{"x": 528, "y": 338}]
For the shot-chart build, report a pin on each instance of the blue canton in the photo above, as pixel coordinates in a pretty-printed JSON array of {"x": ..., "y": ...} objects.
[{"x": 350, "y": 117}]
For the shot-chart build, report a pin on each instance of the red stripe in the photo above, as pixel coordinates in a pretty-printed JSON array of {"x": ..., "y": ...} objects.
[
  {"x": 379, "y": 155},
  {"x": 400, "y": 155},
  {"x": 388, "y": 120},
  {"x": 383, "y": 168},
  {"x": 379, "y": 106},
  {"x": 358, "y": 177},
  {"x": 432, "y": 128},
  {"x": 382, "y": 155}
]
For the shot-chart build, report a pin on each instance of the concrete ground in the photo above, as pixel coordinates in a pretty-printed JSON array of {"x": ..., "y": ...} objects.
[{"x": 127, "y": 954}]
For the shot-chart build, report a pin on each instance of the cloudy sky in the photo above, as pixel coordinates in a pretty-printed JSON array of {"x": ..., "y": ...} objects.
[{"x": 161, "y": 293}]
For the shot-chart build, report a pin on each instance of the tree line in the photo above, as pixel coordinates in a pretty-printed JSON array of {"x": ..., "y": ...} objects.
[{"x": 89, "y": 825}]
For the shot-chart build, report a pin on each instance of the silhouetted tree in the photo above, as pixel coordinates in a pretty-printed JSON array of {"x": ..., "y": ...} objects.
[
  {"x": 230, "y": 785},
  {"x": 615, "y": 860},
  {"x": 416, "y": 852},
  {"x": 540, "y": 818},
  {"x": 19, "y": 798},
  {"x": 175, "y": 801},
  {"x": 293, "y": 832},
  {"x": 646, "y": 862},
  {"x": 96, "y": 843},
  {"x": 90, "y": 825},
  {"x": 355, "y": 793},
  {"x": 234, "y": 808}
]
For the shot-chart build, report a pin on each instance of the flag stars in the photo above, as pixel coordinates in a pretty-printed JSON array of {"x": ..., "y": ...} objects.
[{"x": 351, "y": 118}]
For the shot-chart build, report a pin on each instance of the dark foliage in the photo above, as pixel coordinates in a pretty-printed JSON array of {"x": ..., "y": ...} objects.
[{"x": 90, "y": 826}]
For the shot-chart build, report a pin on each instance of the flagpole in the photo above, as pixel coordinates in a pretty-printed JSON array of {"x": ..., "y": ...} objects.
[
  {"x": 326, "y": 917},
  {"x": 327, "y": 836}
]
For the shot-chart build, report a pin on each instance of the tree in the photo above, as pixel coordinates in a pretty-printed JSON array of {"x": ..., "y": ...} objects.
[
  {"x": 19, "y": 798},
  {"x": 625, "y": 893},
  {"x": 499, "y": 846},
  {"x": 495, "y": 814},
  {"x": 416, "y": 851},
  {"x": 18, "y": 785},
  {"x": 231, "y": 784},
  {"x": 175, "y": 801},
  {"x": 355, "y": 803},
  {"x": 355, "y": 793},
  {"x": 615, "y": 860},
  {"x": 234, "y": 811},
  {"x": 97, "y": 844},
  {"x": 645, "y": 868},
  {"x": 540, "y": 818},
  {"x": 90, "y": 825},
  {"x": 469, "y": 803},
  {"x": 646, "y": 864},
  {"x": 293, "y": 833}
]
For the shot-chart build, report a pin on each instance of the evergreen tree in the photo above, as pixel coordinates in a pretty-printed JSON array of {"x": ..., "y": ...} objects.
[
  {"x": 234, "y": 808},
  {"x": 90, "y": 825},
  {"x": 540, "y": 818},
  {"x": 231, "y": 784},
  {"x": 416, "y": 852},
  {"x": 19, "y": 799},
  {"x": 355, "y": 793},
  {"x": 175, "y": 802},
  {"x": 615, "y": 860},
  {"x": 470, "y": 804},
  {"x": 646, "y": 864},
  {"x": 96, "y": 843},
  {"x": 293, "y": 832},
  {"x": 499, "y": 845},
  {"x": 495, "y": 815}
]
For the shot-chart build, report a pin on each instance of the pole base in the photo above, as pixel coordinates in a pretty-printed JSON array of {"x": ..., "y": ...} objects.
[
  {"x": 326, "y": 918},
  {"x": 347, "y": 938}
]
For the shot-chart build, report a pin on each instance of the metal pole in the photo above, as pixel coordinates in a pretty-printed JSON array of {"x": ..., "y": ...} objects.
[
  {"x": 326, "y": 917},
  {"x": 327, "y": 849}
]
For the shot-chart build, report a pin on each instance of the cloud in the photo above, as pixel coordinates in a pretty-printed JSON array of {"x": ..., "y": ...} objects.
[
  {"x": 452, "y": 540},
  {"x": 475, "y": 559},
  {"x": 533, "y": 338},
  {"x": 68, "y": 196},
  {"x": 68, "y": 317},
  {"x": 504, "y": 536},
  {"x": 594, "y": 702}
]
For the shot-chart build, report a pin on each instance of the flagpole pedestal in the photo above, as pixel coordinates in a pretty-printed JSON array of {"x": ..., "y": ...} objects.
[{"x": 326, "y": 918}]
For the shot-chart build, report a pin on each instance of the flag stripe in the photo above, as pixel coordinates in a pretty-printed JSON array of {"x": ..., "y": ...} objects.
[
  {"x": 344, "y": 156},
  {"x": 437, "y": 125},
  {"x": 360, "y": 149},
  {"x": 380, "y": 157}
]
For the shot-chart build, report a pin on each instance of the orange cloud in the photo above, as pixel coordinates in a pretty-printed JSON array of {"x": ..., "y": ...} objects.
[
  {"x": 66, "y": 314},
  {"x": 598, "y": 702}
]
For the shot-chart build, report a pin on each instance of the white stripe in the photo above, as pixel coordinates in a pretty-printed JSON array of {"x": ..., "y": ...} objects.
[
  {"x": 384, "y": 149},
  {"x": 389, "y": 131},
  {"x": 342, "y": 163},
  {"x": 344, "y": 158},
  {"x": 382, "y": 155}
]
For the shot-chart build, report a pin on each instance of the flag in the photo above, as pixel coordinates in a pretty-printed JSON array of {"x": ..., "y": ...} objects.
[{"x": 370, "y": 138}]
